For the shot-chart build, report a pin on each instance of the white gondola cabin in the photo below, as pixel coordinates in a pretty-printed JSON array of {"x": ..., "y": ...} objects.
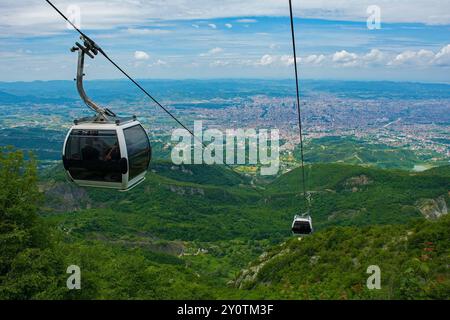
[
  {"x": 302, "y": 225},
  {"x": 104, "y": 150},
  {"x": 111, "y": 155}
]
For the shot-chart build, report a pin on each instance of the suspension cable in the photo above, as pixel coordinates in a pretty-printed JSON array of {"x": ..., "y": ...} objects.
[
  {"x": 300, "y": 128},
  {"x": 94, "y": 45},
  {"x": 120, "y": 69}
]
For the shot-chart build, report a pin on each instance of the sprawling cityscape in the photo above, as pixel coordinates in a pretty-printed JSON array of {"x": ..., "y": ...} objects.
[{"x": 390, "y": 121}]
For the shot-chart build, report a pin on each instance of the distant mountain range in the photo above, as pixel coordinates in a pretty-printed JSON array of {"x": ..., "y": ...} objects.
[{"x": 106, "y": 91}]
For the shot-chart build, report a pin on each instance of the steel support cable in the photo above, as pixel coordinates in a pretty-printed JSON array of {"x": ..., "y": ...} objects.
[
  {"x": 300, "y": 128},
  {"x": 120, "y": 69},
  {"x": 139, "y": 86}
]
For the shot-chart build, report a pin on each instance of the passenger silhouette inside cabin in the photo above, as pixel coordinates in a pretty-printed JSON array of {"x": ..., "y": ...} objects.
[
  {"x": 94, "y": 156},
  {"x": 113, "y": 153},
  {"x": 89, "y": 152}
]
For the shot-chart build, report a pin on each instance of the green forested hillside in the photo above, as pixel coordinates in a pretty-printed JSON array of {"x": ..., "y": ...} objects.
[
  {"x": 196, "y": 210},
  {"x": 355, "y": 195},
  {"x": 189, "y": 232},
  {"x": 351, "y": 150},
  {"x": 332, "y": 264}
]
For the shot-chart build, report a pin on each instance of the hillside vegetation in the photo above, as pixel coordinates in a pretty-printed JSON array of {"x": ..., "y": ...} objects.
[
  {"x": 201, "y": 232},
  {"x": 351, "y": 150},
  {"x": 332, "y": 264}
]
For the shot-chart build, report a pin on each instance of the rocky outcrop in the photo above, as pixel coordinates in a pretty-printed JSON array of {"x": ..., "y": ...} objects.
[
  {"x": 247, "y": 276},
  {"x": 346, "y": 214},
  {"x": 355, "y": 183},
  {"x": 186, "y": 190},
  {"x": 433, "y": 208},
  {"x": 172, "y": 247},
  {"x": 64, "y": 197},
  {"x": 182, "y": 168}
]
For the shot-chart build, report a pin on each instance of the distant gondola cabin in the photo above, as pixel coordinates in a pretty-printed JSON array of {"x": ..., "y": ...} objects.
[{"x": 302, "y": 225}]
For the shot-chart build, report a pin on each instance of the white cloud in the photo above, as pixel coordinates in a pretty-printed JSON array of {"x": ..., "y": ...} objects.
[
  {"x": 158, "y": 63},
  {"x": 212, "y": 25},
  {"x": 141, "y": 32},
  {"x": 403, "y": 57},
  {"x": 418, "y": 58},
  {"x": 14, "y": 54},
  {"x": 196, "y": 26},
  {"x": 212, "y": 52},
  {"x": 375, "y": 56},
  {"x": 35, "y": 17},
  {"x": 313, "y": 59},
  {"x": 283, "y": 60},
  {"x": 288, "y": 60},
  {"x": 219, "y": 63},
  {"x": 215, "y": 50},
  {"x": 266, "y": 60},
  {"x": 422, "y": 58},
  {"x": 141, "y": 55},
  {"x": 442, "y": 58},
  {"x": 345, "y": 58},
  {"x": 228, "y": 25},
  {"x": 246, "y": 20}
]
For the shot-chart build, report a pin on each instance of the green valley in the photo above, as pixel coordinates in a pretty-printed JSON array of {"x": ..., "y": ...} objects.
[{"x": 197, "y": 232}]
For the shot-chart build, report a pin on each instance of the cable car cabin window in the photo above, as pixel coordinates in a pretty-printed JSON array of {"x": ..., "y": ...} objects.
[
  {"x": 301, "y": 227},
  {"x": 94, "y": 155},
  {"x": 138, "y": 148}
]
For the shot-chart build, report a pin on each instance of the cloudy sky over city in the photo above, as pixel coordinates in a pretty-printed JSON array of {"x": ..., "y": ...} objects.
[{"x": 230, "y": 39}]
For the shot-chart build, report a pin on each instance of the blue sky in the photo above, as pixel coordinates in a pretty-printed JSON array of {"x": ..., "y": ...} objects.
[{"x": 229, "y": 39}]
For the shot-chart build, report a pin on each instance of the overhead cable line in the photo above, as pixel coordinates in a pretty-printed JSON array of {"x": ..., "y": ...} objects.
[
  {"x": 119, "y": 68},
  {"x": 99, "y": 49},
  {"x": 300, "y": 128}
]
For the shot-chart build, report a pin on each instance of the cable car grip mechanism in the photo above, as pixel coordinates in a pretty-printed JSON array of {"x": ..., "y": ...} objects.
[{"x": 91, "y": 49}]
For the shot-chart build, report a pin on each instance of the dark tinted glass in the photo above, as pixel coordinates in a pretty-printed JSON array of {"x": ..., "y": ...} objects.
[
  {"x": 301, "y": 227},
  {"x": 138, "y": 148},
  {"x": 93, "y": 155}
]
